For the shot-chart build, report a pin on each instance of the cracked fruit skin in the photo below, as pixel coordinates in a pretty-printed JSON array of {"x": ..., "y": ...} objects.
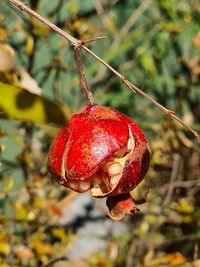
[{"x": 103, "y": 151}]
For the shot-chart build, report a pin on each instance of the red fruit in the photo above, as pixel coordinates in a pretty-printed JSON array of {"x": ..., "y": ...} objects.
[{"x": 101, "y": 150}]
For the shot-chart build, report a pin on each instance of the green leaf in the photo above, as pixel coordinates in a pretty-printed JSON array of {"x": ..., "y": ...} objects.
[
  {"x": 148, "y": 63},
  {"x": 18, "y": 103},
  {"x": 8, "y": 185}
]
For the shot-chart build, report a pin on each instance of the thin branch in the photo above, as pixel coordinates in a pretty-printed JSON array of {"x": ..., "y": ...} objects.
[
  {"x": 62, "y": 258},
  {"x": 174, "y": 174},
  {"x": 123, "y": 31},
  {"x": 83, "y": 80},
  {"x": 101, "y": 12},
  {"x": 23, "y": 7},
  {"x": 93, "y": 40},
  {"x": 177, "y": 241},
  {"x": 77, "y": 43},
  {"x": 130, "y": 22}
]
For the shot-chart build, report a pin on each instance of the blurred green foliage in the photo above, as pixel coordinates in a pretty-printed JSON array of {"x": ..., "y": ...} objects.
[{"x": 156, "y": 45}]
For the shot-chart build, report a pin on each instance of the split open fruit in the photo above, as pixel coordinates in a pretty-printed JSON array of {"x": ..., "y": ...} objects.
[{"x": 103, "y": 151}]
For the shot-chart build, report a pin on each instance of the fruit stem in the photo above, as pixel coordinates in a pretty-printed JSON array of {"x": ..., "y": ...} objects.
[{"x": 83, "y": 80}]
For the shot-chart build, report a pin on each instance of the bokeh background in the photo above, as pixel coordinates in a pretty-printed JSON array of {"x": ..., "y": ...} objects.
[{"x": 156, "y": 45}]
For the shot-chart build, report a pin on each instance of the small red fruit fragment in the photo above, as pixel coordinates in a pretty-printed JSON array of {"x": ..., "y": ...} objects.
[
  {"x": 104, "y": 151},
  {"x": 120, "y": 205}
]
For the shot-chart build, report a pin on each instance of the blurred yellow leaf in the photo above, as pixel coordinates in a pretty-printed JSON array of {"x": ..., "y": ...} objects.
[
  {"x": 31, "y": 216},
  {"x": 37, "y": 236},
  {"x": 3, "y": 33},
  {"x": 21, "y": 212},
  {"x": 18, "y": 103},
  {"x": 3, "y": 236},
  {"x": 39, "y": 203},
  {"x": 59, "y": 233},
  {"x": 3, "y": 264},
  {"x": 29, "y": 45},
  {"x": 110, "y": 23},
  {"x": 8, "y": 185},
  {"x": 171, "y": 27},
  {"x": 4, "y": 248},
  {"x": 185, "y": 206},
  {"x": 39, "y": 28},
  {"x": 42, "y": 248},
  {"x": 2, "y": 148}
]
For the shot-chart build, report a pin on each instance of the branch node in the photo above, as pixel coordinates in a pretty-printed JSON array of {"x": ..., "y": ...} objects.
[
  {"x": 130, "y": 85},
  {"x": 21, "y": 7},
  {"x": 169, "y": 113},
  {"x": 77, "y": 45},
  {"x": 123, "y": 78}
]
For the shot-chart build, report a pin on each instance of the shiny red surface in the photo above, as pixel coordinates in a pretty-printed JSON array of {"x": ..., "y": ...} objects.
[{"x": 92, "y": 136}]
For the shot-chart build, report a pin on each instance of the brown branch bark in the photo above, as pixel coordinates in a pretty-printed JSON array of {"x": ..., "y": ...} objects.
[{"x": 78, "y": 44}]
